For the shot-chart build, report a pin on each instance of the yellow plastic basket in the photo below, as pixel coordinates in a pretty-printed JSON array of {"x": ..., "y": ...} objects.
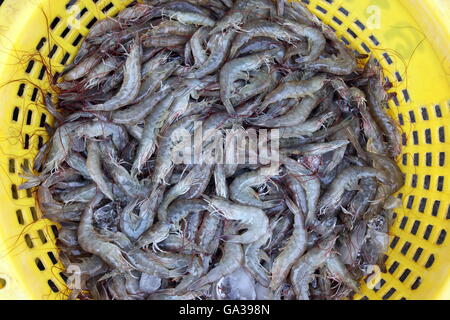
[{"x": 411, "y": 39}]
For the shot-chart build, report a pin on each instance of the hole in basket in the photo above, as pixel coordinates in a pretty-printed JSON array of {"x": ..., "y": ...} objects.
[
  {"x": 14, "y": 193},
  {"x": 412, "y": 116},
  {"x": 55, "y": 23},
  {"x": 415, "y": 138},
  {"x": 410, "y": 202},
  {"x": 26, "y": 143},
  {"x": 394, "y": 242},
  {"x": 389, "y": 293},
  {"x": 403, "y": 223},
  {"x": 63, "y": 277},
  {"x": 430, "y": 261},
  {"x": 42, "y": 73},
  {"x": 40, "y": 142},
  {"x": 428, "y": 231},
  {"x": 440, "y": 183},
  {"x": 19, "y": 216},
  {"x": 91, "y": 23},
  {"x": 406, "y": 95},
  {"x": 53, "y": 286},
  {"x": 34, "y": 215},
  {"x": 379, "y": 285},
  {"x": 360, "y": 25},
  {"x": 416, "y": 283},
  {"x": 41, "y": 44},
  {"x": 81, "y": 14},
  {"x": 422, "y": 205},
  {"x": 42, "y": 236},
  {"x": 404, "y": 140},
  {"x": 414, "y": 181},
  {"x": 12, "y": 166},
  {"x": 435, "y": 210},
  {"x": 65, "y": 32},
  {"x": 374, "y": 40},
  {"x": 53, "y": 51},
  {"x": 42, "y": 121},
  {"x": 2, "y": 280},
  {"x": 52, "y": 257},
  {"x": 425, "y": 114},
  {"x": 107, "y": 7},
  {"x": 337, "y": 20},
  {"x": 28, "y": 241},
  {"x": 344, "y": 11},
  {"x": 65, "y": 58},
  {"x": 441, "y": 159},
  {"x": 404, "y": 159},
  {"x": 404, "y": 275},
  {"x": 321, "y": 9},
  {"x": 415, "y": 227},
  {"x": 442, "y": 236},
  {"x": 34, "y": 94},
  {"x": 393, "y": 267},
  {"x": 405, "y": 248},
  {"x": 438, "y": 111},
  {"x": 54, "y": 230},
  {"x": 15, "y": 115},
  {"x": 352, "y": 33},
  {"x": 365, "y": 47},
  {"x": 39, "y": 264},
  {"x": 70, "y": 3},
  {"x": 426, "y": 182},
  {"x": 29, "y": 66},
  {"x": 441, "y": 132},
  {"x": 427, "y": 136},
  {"x": 417, "y": 254},
  {"x": 21, "y": 89},
  {"x": 77, "y": 40},
  {"x": 29, "y": 193},
  {"x": 29, "y": 117}
]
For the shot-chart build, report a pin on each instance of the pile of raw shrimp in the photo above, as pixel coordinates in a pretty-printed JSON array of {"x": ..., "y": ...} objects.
[{"x": 138, "y": 225}]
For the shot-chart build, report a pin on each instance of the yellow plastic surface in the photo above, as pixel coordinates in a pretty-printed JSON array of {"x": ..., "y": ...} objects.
[{"x": 411, "y": 39}]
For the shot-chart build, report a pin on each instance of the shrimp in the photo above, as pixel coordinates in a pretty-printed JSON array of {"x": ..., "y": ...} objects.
[
  {"x": 59, "y": 147},
  {"x": 141, "y": 261},
  {"x": 134, "y": 114},
  {"x": 260, "y": 28},
  {"x": 83, "y": 68},
  {"x": 102, "y": 129},
  {"x": 239, "y": 13},
  {"x": 254, "y": 219},
  {"x": 306, "y": 128},
  {"x": 236, "y": 68},
  {"x": 90, "y": 241},
  {"x": 173, "y": 28},
  {"x": 252, "y": 260},
  {"x": 153, "y": 123},
  {"x": 241, "y": 188},
  {"x": 182, "y": 208},
  {"x": 296, "y": 89},
  {"x": 197, "y": 41},
  {"x": 302, "y": 272},
  {"x": 316, "y": 149},
  {"x": 316, "y": 41},
  {"x": 190, "y": 18},
  {"x": 207, "y": 232},
  {"x": 95, "y": 170},
  {"x": 309, "y": 182},
  {"x": 343, "y": 64},
  {"x": 294, "y": 248},
  {"x": 377, "y": 102},
  {"x": 346, "y": 180},
  {"x": 220, "y": 49},
  {"x": 130, "y": 185},
  {"x": 156, "y": 234},
  {"x": 232, "y": 259},
  {"x": 131, "y": 82}
]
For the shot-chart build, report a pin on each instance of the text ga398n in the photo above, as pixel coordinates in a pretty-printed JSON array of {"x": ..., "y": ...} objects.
[{"x": 228, "y": 309}]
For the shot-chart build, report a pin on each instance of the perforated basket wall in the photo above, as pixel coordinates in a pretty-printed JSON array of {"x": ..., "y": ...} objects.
[{"x": 411, "y": 39}]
